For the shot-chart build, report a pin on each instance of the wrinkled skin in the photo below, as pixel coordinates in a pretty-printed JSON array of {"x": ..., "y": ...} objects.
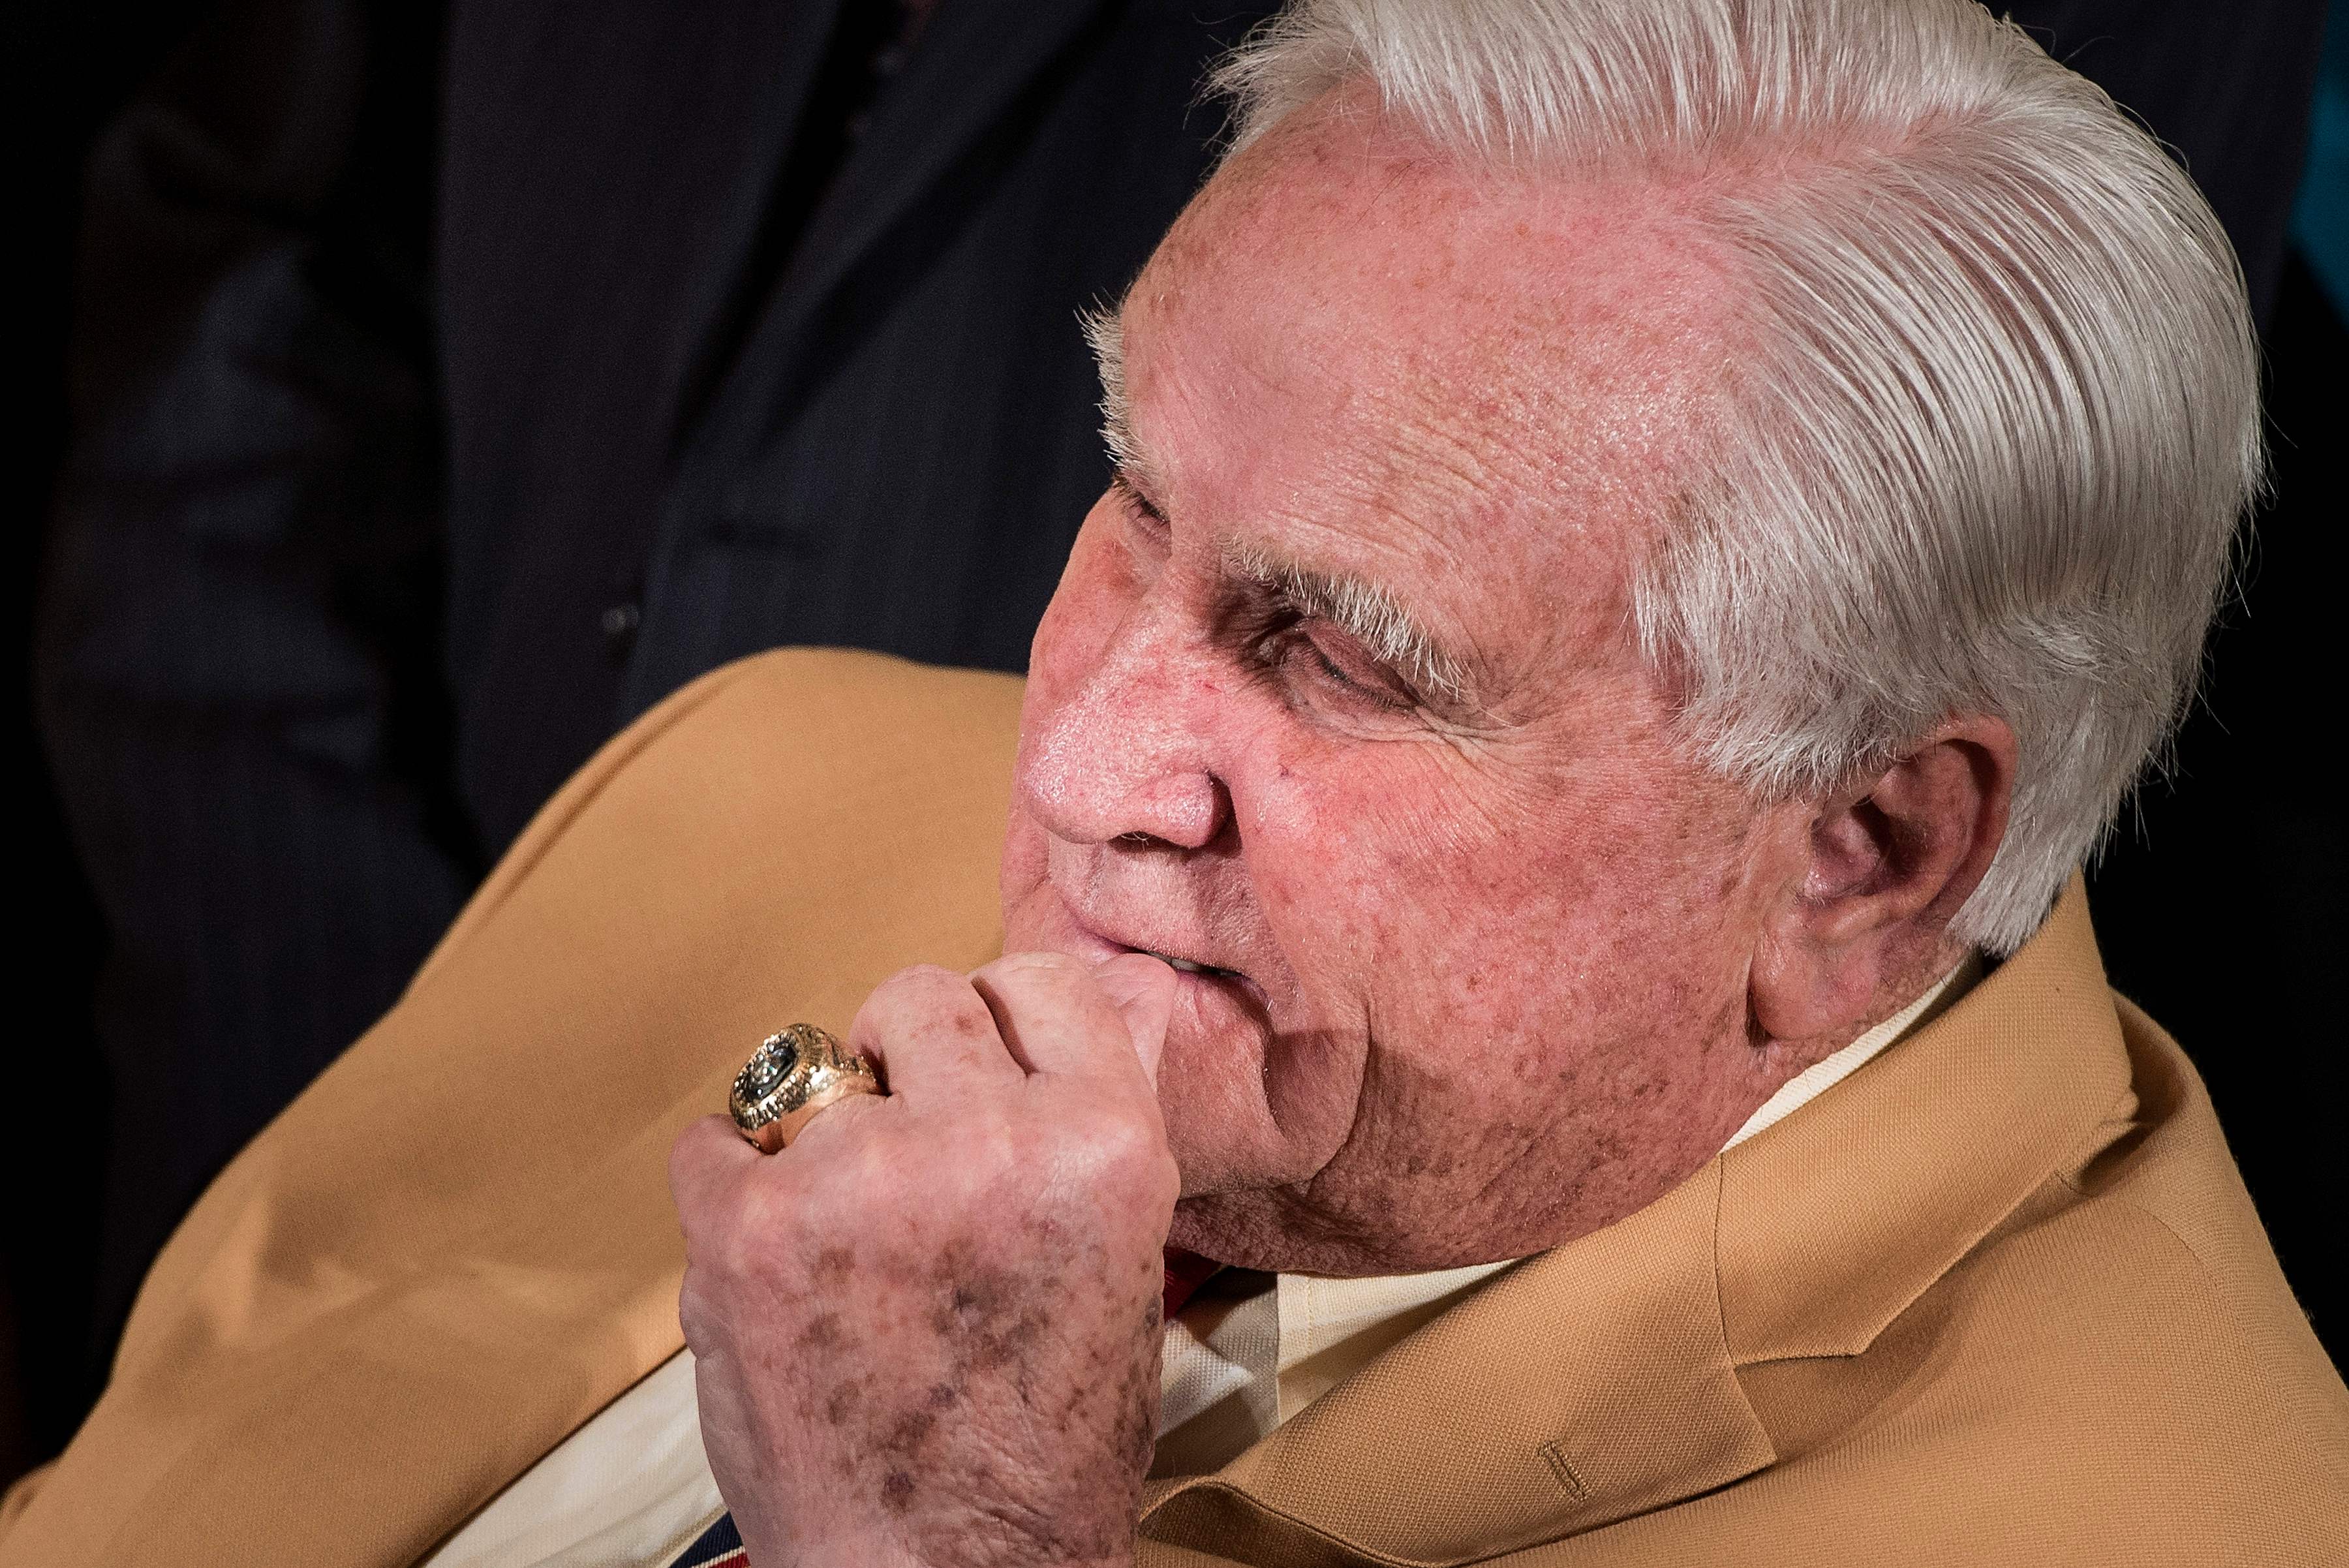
[
  {"x": 885, "y": 1371},
  {"x": 1505, "y": 964}
]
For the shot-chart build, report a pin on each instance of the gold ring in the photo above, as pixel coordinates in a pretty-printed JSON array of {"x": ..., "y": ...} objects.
[{"x": 792, "y": 1076}]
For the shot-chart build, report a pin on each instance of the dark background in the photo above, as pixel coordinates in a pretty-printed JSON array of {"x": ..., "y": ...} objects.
[
  {"x": 2218, "y": 902},
  {"x": 70, "y": 68}
]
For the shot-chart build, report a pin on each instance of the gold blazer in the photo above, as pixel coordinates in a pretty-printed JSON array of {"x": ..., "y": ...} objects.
[{"x": 2000, "y": 1297}]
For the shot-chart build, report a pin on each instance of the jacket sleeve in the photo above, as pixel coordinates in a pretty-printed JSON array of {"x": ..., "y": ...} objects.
[
  {"x": 237, "y": 656},
  {"x": 2227, "y": 87},
  {"x": 1149, "y": 1554}
]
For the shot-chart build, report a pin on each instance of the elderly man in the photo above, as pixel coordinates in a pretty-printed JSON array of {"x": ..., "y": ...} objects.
[{"x": 1648, "y": 541}]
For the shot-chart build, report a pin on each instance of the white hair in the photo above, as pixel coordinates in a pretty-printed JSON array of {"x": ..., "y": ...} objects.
[{"x": 2002, "y": 414}]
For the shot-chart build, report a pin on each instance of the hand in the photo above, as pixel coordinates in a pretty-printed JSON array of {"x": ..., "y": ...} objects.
[{"x": 928, "y": 1331}]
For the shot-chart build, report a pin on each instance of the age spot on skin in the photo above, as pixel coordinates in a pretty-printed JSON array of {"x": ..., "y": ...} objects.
[
  {"x": 998, "y": 1347},
  {"x": 905, "y": 1436},
  {"x": 898, "y": 1491},
  {"x": 821, "y": 1332}
]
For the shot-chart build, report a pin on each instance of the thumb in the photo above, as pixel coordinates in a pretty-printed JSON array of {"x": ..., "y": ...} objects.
[{"x": 1144, "y": 989}]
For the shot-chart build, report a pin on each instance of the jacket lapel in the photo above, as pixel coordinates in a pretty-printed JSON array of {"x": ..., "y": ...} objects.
[
  {"x": 974, "y": 62},
  {"x": 1835, "y": 1220},
  {"x": 1587, "y": 1385},
  {"x": 714, "y": 311},
  {"x": 1599, "y": 1380}
]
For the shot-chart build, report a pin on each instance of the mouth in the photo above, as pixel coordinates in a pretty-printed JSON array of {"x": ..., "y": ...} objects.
[
  {"x": 1237, "y": 984},
  {"x": 1190, "y": 966}
]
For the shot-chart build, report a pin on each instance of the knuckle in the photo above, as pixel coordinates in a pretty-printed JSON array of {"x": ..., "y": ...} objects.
[
  {"x": 741, "y": 1256},
  {"x": 921, "y": 985},
  {"x": 917, "y": 1000},
  {"x": 770, "y": 1209},
  {"x": 1048, "y": 972},
  {"x": 1039, "y": 961},
  {"x": 695, "y": 1317},
  {"x": 1129, "y": 1150},
  {"x": 734, "y": 1240}
]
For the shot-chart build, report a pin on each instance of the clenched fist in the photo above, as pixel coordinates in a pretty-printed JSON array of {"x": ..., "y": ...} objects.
[{"x": 928, "y": 1331}]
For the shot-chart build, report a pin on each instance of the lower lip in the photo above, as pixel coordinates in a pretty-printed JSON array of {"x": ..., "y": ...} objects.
[
  {"x": 1182, "y": 967},
  {"x": 1227, "y": 981},
  {"x": 1235, "y": 992}
]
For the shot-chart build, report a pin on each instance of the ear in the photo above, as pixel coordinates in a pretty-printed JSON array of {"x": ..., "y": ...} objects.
[{"x": 1884, "y": 866}]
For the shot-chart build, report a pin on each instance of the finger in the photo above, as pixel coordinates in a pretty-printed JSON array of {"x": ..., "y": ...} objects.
[
  {"x": 705, "y": 1163},
  {"x": 1056, "y": 1017},
  {"x": 931, "y": 1034},
  {"x": 835, "y": 1122},
  {"x": 1143, "y": 988}
]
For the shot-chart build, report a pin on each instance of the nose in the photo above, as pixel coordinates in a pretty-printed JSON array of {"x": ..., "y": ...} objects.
[{"x": 1125, "y": 750}]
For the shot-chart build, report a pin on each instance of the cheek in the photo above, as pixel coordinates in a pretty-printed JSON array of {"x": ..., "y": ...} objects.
[
  {"x": 1020, "y": 881},
  {"x": 1606, "y": 912},
  {"x": 1617, "y": 932},
  {"x": 1358, "y": 875},
  {"x": 1547, "y": 1003}
]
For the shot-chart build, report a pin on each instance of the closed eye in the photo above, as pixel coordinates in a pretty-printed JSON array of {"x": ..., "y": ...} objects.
[
  {"x": 1314, "y": 659},
  {"x": 1322, "y": 652},
  {"x": 1131, "y": 494}
]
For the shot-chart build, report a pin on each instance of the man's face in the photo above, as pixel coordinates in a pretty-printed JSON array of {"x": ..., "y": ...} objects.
[{"x": 1484, "y": 932}]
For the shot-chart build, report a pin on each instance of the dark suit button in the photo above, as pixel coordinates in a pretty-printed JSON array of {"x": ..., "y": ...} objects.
[{"x": 620, "y": 625}]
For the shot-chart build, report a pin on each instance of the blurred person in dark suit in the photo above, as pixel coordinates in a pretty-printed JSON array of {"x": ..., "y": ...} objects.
[
  {"x": 403, "y": 478},
  {"x": 447, "y": 392}
]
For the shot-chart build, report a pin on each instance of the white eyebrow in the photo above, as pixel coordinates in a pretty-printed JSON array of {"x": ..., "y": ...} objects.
[
  {"x": 1366, "y": 612},
  {"x": 1105, "y": 332}
]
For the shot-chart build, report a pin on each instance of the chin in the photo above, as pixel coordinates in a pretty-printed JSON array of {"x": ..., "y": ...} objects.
[
  {"x": 1214, "y": 1227},
  {"x": 1263, "y": 1231},
  {"x": 1210, "y": 1091},
  {"x": 1248, "y": 1111}
]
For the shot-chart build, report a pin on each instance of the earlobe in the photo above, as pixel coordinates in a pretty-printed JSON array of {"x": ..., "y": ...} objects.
[{"x": 1884, "y": 868}]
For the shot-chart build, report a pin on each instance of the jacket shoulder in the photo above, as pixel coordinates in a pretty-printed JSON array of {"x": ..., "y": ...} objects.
[
  {"x": 2116, "y": 1373},
  {"x": 458, "y": 1244},
  {"x": 735, "y": 736}
]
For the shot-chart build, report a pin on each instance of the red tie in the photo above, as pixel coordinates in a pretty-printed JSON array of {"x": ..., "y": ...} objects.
[{"x": 1186, "y": 1272}]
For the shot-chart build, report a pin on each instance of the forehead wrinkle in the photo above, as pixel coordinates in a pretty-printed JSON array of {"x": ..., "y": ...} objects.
[{"x": 1503, "y": 384}]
